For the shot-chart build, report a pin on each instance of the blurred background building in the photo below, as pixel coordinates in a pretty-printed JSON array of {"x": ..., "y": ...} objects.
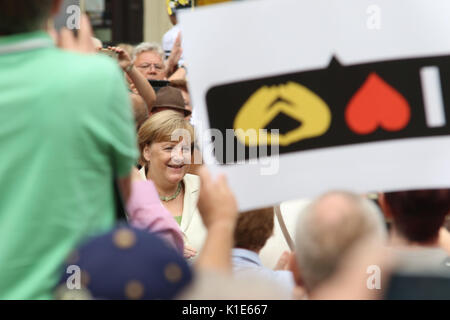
[{"x": 130, "y": 21}]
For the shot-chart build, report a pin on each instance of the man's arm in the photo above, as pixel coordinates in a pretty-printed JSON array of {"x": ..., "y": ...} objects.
[
  {"x": 141, "y": 84},
  {"x": 180, "y": 74},
  {"x": 143, "y": 87}
]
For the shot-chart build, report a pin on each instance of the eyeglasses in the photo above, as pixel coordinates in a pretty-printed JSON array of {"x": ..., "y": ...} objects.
[{"x": 158, "y": 67}]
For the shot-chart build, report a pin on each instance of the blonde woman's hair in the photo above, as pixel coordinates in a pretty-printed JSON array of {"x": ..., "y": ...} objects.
[{"x": 163, "y": 126}]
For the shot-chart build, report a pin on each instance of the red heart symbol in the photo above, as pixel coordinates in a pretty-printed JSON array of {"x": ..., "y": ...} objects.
[{"x": 377, "y": 104}]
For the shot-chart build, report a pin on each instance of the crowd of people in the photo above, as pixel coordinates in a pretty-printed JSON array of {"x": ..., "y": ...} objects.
[{"x": 99, "y": 201}]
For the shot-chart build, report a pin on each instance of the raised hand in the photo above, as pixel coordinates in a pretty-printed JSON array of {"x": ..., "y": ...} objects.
[
  {"x": 189, "y": 252},
  {"x": 218, "y": 209},
  {"x": 174, "y": 57},
  {"x": 124, "y": 58},
  {"x": 283, "y": 261},
  {"x": 216, "y": 201},
  {"x": 83, "y": 43}
]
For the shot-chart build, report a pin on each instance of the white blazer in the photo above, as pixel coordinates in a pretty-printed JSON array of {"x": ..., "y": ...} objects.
[{"x": 194, "y": 231}]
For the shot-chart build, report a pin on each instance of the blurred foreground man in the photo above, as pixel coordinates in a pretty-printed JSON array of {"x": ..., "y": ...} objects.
[
  {"x": 327, "y": 231},
  {"x": 66, "y": 132}
]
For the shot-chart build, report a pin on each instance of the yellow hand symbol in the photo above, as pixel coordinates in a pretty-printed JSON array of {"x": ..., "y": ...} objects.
[{"x": 292, "y": 99}]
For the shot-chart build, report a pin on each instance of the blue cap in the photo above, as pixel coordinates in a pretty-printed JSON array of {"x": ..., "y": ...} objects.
[{"x": 125, "y": 263}]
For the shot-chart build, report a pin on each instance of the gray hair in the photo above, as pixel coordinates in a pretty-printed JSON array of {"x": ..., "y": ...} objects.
[
  {"x": 148, "y": 47},
  {"x": 321, "y": 241}
]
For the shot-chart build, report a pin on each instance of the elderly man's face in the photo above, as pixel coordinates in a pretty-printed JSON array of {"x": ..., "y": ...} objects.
[{"x": 151, "y": 65}]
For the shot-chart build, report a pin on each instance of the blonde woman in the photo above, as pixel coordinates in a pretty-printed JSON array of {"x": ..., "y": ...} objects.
[{"x": 166, "y": 146}]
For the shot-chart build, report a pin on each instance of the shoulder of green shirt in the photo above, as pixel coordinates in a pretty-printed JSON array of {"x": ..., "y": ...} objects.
[{"x": 92, "y": 63}]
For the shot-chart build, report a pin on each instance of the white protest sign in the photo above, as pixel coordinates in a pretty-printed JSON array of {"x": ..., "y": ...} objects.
[{"x": 358, "y": 91}]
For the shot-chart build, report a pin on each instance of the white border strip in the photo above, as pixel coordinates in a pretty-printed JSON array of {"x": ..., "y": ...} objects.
[{"x": 432, "y": 97}]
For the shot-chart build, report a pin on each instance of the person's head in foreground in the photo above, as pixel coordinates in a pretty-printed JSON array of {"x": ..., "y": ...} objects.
[
  {"x": 21, "y": 16},
  {"x": 327, "y": 230},
  {"x": 149, "y": 60},
  {"x": 418, "y": 243},
  {"x": 253, "y": 229},
  {"x": 165, "y": 142},
  {"x": 417, "y": 215},
  {"x": 124, "y": 264},
  {"x": 169, "y": 98}
]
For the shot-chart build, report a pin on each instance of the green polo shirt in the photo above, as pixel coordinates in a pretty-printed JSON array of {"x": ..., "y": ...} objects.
[{"x": 66, "y": 129}]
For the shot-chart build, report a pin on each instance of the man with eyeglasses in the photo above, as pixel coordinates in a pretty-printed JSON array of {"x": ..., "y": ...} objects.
[{"x": 149, "y": 60}]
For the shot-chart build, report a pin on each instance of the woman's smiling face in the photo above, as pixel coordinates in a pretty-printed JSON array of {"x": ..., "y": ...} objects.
[{"x": 168, "y": 162}]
